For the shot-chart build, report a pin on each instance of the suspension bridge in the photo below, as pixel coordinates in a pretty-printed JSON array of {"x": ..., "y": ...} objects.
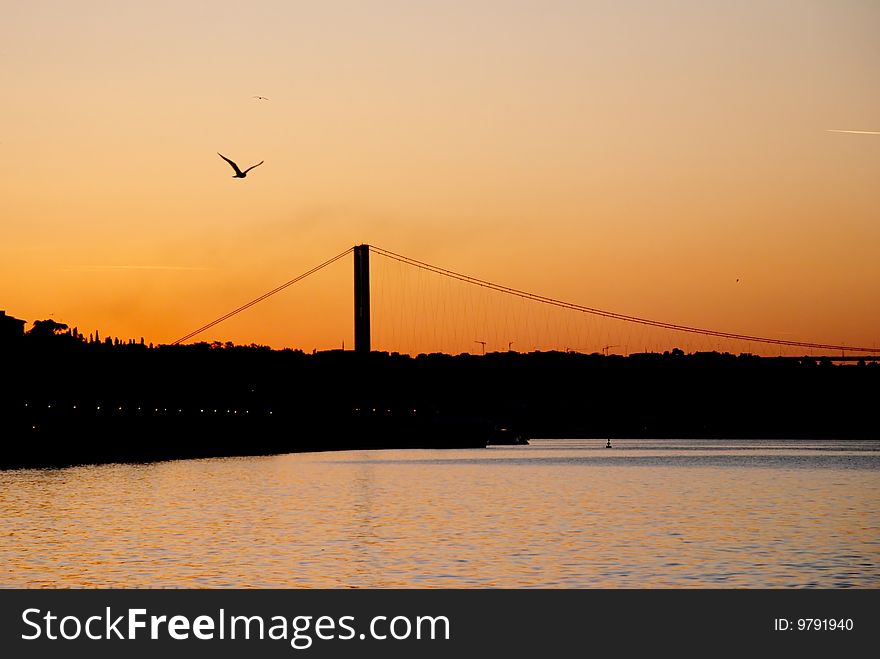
[{"x": 423, "y": 307}]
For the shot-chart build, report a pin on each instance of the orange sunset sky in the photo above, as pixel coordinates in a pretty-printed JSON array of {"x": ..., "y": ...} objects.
[{"x": 634, "y": 156}]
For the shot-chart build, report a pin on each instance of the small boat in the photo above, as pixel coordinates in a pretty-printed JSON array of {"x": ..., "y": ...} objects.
[{"x": 507, "y": 437}]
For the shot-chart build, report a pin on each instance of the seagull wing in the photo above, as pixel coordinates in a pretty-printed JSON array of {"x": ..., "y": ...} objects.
[
  {"x": 252, "y": 166},
  {"x": 238, "y": 172}
]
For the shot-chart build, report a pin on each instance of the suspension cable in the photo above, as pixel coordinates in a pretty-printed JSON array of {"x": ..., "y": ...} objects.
[
  {"x": 608, "y": 314},
  {"x": 256, "y": 300}
]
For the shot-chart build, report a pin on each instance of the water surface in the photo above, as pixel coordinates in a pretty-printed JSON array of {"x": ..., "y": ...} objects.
[{"x": 558, "y": 514}]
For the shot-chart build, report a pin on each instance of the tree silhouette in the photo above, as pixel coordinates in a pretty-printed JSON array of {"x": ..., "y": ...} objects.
[{"x": 46, "y": 328}]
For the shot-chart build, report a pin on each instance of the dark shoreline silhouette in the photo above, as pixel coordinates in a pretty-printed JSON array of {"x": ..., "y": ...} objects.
[{"x": 66, "y": 399}]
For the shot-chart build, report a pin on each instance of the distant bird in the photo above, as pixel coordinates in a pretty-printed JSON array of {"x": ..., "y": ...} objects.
[
  {"x": 261, "y": 98},
  {"x": 238, "y": 172}
]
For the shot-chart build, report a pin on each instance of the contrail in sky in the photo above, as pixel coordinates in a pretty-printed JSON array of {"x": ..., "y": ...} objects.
[
  {"x": 855, "y": 132},
  {"x": 137, "y": 267}
]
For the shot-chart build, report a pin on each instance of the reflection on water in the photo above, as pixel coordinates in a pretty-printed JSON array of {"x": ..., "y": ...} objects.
[{"x": 647, "y": 513}]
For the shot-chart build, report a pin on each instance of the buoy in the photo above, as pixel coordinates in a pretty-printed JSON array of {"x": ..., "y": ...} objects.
[{"x": 608, "y": 444}]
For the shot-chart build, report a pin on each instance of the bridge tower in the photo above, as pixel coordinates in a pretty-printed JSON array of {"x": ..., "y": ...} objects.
[{"x": 362, "y": 298}]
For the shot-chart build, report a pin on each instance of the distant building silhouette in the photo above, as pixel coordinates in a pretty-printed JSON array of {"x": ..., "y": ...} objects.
[{"x": 10, "y": 328}]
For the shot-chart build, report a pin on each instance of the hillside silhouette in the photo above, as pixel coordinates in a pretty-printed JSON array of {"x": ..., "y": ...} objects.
[{"x": 68, "y": 399}]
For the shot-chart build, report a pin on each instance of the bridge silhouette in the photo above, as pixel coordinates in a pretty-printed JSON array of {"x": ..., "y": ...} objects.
[{"x": 607, "y": 341}]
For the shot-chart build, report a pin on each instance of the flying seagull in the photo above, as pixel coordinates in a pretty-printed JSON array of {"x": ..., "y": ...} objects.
[
  {"x": 238, "y": 172},
  {"x": 261, "y": 98}
]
